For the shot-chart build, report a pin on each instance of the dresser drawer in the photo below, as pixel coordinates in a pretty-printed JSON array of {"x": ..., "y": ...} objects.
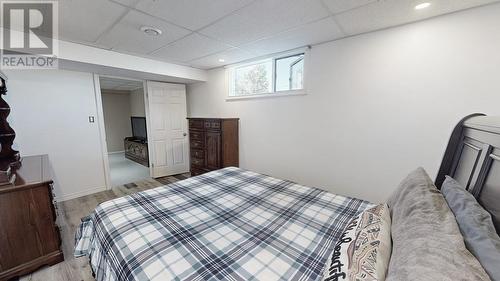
[
  {"x": 196, "y": 124},
  {"x": 197, "y": 153},
  {"x": 196, "y": 135},
  {"x": 212, "y": 124},
  {"x": 197, "y": 162},
  {"x": 197, "y": 144}
]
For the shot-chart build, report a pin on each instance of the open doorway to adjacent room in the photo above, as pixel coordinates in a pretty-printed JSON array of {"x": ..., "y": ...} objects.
[{"x": 124, "y": 113}]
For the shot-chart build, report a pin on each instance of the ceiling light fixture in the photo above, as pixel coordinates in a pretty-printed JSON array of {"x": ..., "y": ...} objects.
[
  {"x": 422, "y": 6},
  {"x": 151, "y": 31},
  {"x": 222, "y": 60}
]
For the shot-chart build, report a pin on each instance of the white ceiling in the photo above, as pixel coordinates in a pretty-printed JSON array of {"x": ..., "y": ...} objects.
[
  {"x": 199, "y": 33},
  {"x": 118, "y": 84}
]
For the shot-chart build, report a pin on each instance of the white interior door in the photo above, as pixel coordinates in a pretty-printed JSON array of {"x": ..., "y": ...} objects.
[{"x": 168, "y": 141}]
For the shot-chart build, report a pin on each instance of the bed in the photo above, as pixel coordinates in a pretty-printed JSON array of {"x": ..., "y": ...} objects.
[
  {"x": 234, "y": 224},
  {"x": 472, "y": 157},
  {"x": 228, "y": 224}
]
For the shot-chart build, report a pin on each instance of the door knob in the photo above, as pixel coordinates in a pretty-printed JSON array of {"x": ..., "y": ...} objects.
[{"x": 184, "y": 134}]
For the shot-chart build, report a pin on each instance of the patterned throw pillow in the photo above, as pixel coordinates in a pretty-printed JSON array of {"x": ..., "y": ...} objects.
[{"x": 364, "y": 250}]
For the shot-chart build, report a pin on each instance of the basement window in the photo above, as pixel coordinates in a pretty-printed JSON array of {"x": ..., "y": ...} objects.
[{"x": 277, "y": 76}]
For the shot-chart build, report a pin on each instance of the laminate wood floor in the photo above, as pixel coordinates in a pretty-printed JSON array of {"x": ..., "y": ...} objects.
[{"x": 69, "y": 214}]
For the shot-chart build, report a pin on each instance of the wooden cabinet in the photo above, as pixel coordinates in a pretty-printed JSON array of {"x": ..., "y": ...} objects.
[
  {"x": 213, "y": 143},
  {"x": 29, "y": 237},
  {"x": 137, "y": 150}
]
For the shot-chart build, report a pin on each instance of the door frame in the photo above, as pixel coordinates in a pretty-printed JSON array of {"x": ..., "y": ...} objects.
[
  {"x": 148, "y": 124},
  {"x": 102, "y": 128}
]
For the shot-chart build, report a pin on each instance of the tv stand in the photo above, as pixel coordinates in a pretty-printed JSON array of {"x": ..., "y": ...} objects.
[{"x": 137, "y": 150}]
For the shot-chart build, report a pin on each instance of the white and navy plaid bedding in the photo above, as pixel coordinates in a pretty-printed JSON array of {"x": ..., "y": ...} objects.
[{"x": 229, "y": 224}]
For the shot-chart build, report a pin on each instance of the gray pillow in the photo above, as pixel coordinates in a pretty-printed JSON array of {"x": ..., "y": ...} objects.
[
  {"x": 476, "y": 226},
  {"x": 426, "y": 241}
]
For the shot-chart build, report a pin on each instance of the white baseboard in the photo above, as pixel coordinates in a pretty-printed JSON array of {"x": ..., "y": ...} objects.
[
  {"x": 79, "y": 194},
  {"x": 116, "y": 152}
]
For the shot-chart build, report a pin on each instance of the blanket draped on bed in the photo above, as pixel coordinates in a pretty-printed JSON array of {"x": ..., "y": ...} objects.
[{"x": 229, "y": 224}]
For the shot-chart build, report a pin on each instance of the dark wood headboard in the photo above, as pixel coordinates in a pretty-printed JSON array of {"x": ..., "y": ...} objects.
[{"x": 473, "y": 159}]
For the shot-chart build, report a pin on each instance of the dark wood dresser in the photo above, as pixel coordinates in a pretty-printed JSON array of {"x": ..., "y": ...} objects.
[
  {"x": 213, "y": 143},
  {"x": 29, "y": 237}
]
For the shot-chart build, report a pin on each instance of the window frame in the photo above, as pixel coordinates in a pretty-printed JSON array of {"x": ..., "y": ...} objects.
[
  {"x": 275, "y": 73},
  {"x": 231, "y": 80}
]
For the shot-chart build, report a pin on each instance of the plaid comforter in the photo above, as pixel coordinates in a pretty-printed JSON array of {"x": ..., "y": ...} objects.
[{"x": 229, "y": 224}]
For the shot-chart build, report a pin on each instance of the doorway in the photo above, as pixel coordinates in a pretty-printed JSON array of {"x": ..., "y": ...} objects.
[
  {"x": 124, "y": 116},
  {"x": 143, "y": 129}
]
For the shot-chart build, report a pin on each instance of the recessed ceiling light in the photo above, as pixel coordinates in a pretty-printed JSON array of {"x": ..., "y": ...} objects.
[
  {"x": 222, "y": 60},
  {"x": 151, "y": 31},
  {"x": 422, "y": 6}
]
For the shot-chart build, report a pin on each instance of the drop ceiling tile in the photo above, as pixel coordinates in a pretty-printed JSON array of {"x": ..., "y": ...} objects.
[
  {"x": 127, "y": 36},
  {"x": 265, "y": 17},
  {"x": 310, "y": 34},
  {"x": 460, "y": 5},
  {"x": 130, "y": 3},
  {"x": 337, "y": 6},
  {"x": 230, "y": 56},
  {"x": 191, "y": 47},
  {"x": 104, "y": 78},
  {"x": 108, "y": 85},
  {"x": 85, "y": 20},
  {"x": 124, "y": 88},
  {"x": 135, "y": 85},
  {"x": 110, "y": 80},
  {"x": 192, "y": 14},
  {"x": 388, "y": 13}
]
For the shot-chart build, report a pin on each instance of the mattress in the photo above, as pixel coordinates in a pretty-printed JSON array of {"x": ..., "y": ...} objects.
[{"x": 229, "y": 224}]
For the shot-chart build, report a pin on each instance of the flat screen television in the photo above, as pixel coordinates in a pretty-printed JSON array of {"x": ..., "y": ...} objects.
[{"x": 139, "y": 128}]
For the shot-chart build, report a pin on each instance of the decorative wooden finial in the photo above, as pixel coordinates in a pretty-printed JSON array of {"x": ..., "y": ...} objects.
[{"x": 9, "y": 158}]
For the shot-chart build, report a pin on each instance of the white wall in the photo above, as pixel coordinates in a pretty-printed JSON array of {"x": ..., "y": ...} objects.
[
  {"x": 116, "y": 108},
  {"x": 50, "y": 114},
  {"x": 137, "y": 106},
  {"x": 378, "y": 105}
]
